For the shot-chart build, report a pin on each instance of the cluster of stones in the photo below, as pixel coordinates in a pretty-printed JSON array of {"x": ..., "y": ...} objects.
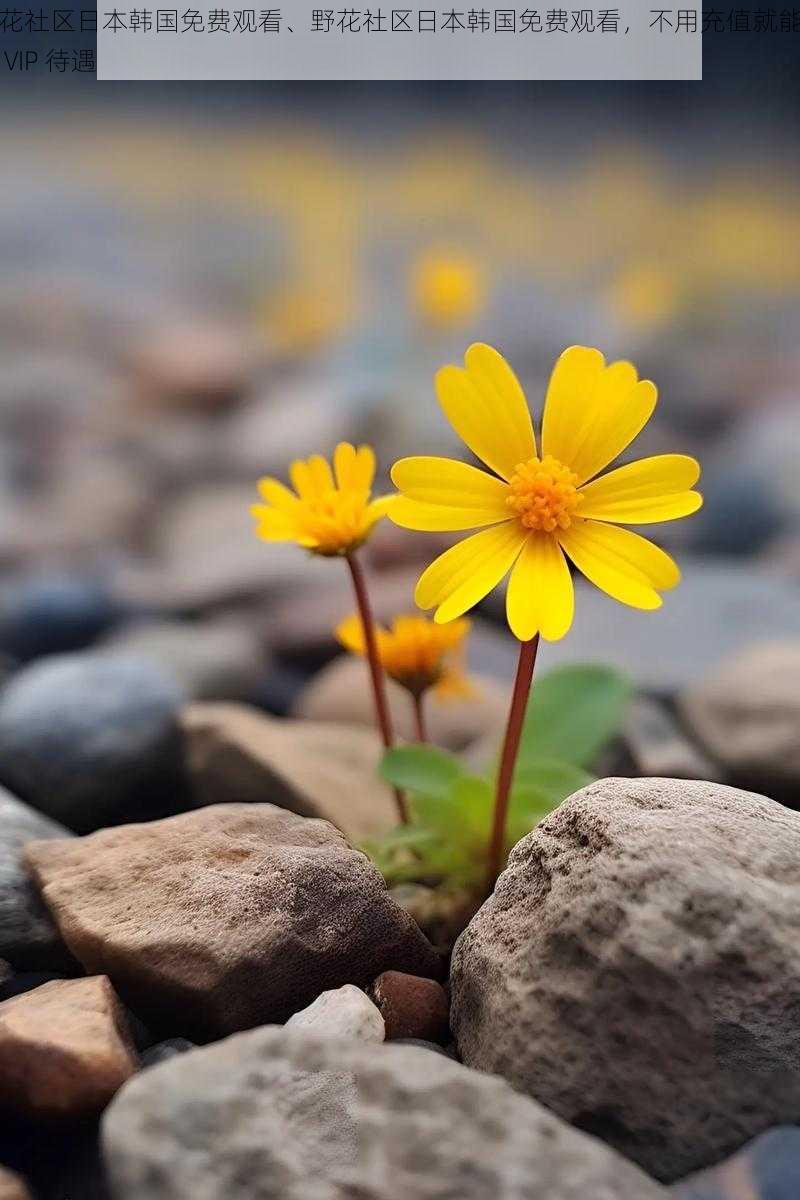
[{"x": 216, "y": 987}]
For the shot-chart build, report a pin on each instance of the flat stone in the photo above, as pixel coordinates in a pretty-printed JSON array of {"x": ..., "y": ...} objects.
[
  {"x": 747, "y": 715},
  {"x": 64, "y": 1049},
  {"x": 91, "y": 740},
  {"x": 279, "y": 1115},
  {"x": 345, "y": 1012},
  {"x": 411, "y": 1007},
  {"x": 216, "y": 920},
  {"x": 768, "y": 1168},
  {"x": 12, "y": 1187},
  {"x": 318, "y": 769},
  {"x": 341, "y": 692},
  {"x": 28, "y": 937},
  {"x": 658, "y": 746},
  {"x": 637, "y": 969}
]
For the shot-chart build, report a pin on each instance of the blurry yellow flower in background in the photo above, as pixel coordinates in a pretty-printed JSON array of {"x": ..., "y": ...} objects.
[
  {"x": 539, "y": 509},
  {"x": 446, "y": 289},
  {"x": 300, "y": 320},
  {"x": 645, "y": 295},
  {"x": 329, "y": 512}
]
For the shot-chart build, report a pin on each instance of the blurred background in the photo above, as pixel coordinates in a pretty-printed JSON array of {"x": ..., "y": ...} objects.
[{"x": 200, "y": 283}]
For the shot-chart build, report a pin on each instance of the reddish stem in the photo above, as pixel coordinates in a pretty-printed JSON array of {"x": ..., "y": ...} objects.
[
  {"x": 382, "y": 714},
  {"x": 419, "y": 716},
  {"x": 508, "y": 760}
]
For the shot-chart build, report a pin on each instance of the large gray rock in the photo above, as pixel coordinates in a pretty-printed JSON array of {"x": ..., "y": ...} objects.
[
  {"x": 28, "y": 938},
  {"x": 91, "y": 740},
  {"x": 638, "y": 969},
  {"x": 270, "y": 1115},
  {"x": 747, "y": 715},
  {"x": 223, "y": 918}
]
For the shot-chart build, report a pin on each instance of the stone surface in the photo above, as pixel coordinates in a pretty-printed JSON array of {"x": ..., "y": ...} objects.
[
  {"x": 272, "y": 1115},
  {"x": 766, "y": 1169},
  {"x": 345, "y": 1012},
  {"x": 162, "y": 1051},
  {"x": 28, "y": 937},
  {"x": 658, "y": 746},
  {"x": 91, "y": 740},
  {"x": 747, "y": 714},
  {"x": 12, "y": 1187},
  {"x": 411, "y": 1007},
  {"x": 219, "y": 659},
  {"x": 238, "y": 755},
  {"x": 219, "y": 919},
  {"x": 53, "y": 614},
  {"x": 341, "y": 692},
  {"x": 198, "y": 365},
  {"x": 638, "y": 969},
  {"x": 64, "y": 1049}
]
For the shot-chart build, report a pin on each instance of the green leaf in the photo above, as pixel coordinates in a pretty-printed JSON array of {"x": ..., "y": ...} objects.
[
  {"x": 573, "y": 712},
  {"x": 552, "y": 778},
  {"x": 421, "y": 769}
]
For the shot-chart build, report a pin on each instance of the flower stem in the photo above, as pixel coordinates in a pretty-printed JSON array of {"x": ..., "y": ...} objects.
[
  {"x": 508, "y": 760},
  {"x": 382, "y": 713},
  {"x": 419, "y": 716}
]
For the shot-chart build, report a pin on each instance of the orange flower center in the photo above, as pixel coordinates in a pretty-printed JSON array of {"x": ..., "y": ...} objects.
[{"x": 544, "y": 494}]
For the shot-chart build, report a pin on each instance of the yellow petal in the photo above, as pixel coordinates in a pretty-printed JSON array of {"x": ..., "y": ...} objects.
[
  {"x": 455, "y": 484},
  {"x": 350, "y": 633},
  {"x": 344, "y": 465},
  {"x": 593, "y": 412},
  {"x": 364, "y": 471},
  {"x": 540, "y": 597},
  {"x": 272, "y": 525},
  {"x": 620, "y": 562},
  {"x": 486, "y": 406},
  {"x": 652, "y": 489},
  {"x": 320, "y": 475},
  {"x": 438, "y": 518},
  {"x": 277, "y": 494},
  {"x": 468, "y": 571}
]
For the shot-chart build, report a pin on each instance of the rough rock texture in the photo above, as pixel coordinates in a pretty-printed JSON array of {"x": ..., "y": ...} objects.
[
  {"x": 216, "y": 920},
  {"x": 12, "y": 1187},
  {"x": 340, "y": 692},
  {"x": 318, "y": 769},
  {"x": 345, "y": 1012},
  {"x": 28, "y": 938},
  {"x": 411, "y": 1007},
  {"x": 766, "y": 1169},
  {"x": 747, "y": 714},
  {"x": 64, "y": 1049},
  {"x": 91, "y": 740},
  {"x": 638, "y": 969},
  {"x": 269, "y": 1115}
]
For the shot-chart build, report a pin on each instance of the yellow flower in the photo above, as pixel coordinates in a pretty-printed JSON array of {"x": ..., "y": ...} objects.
[
  {"x": 415, "y": 652},
  {"x": 446, "y": 289},
  {"x": 538, "y": 509},
  {"x": 327, "y": 515}
]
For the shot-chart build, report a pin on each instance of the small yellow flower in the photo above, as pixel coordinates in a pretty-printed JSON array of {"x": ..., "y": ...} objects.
[
  {"x": 540, "y": 509},
  {"x": 415, "y": 652},
  {"x": 327, "y": 515},
  {"x": 447, "y": 289}
]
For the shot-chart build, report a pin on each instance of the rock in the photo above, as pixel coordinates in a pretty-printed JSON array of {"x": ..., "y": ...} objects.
[
  {"x": 747, "y": 714},
  {"x": 741, "y": 514},
  {"x": 768, "y": 1168},
  {"x": 317, "y": 769},
  {"x": 92, "y": 740},
  {"x": 218, "y": 659},
  {"x": 274, "y": 1115},
  {"x": 432, "y": 1046},
  {"x": 28, "y": 937},
  {"x": 196, "y": 365},
  {"x": 219, "y": 919},
  {"x": 637, "y": 969},
  {"x": 52, "y": 614},
  {"x": 64, "y": 1049},
  {"x": 658, "y": 746},
  {"x": 411, "y": 1007},
  {"x": 12, "y": 1187},
  {"x": 341, "y": 692},
  {"x": 15, "y": 983},
  {"x": 162, "y": 1051},
  {"x": 346, "y": 1012}
]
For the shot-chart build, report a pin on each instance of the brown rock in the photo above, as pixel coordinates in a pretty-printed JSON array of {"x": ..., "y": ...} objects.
[
  {"x": 341, "y": 692},
  {"x": 317, "y": 769},
  {"x": 65, "y": 1049},
  {"x": 637, "y": 969},
  {"x": 12, "y": 1187},
  {"x": 224, "y": 918},
  {"x": 411, "y": 1007},
  {"x": 195, "y": 365}
]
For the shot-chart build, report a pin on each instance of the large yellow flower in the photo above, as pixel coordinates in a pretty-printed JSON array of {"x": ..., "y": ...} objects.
[
  {"x": 327, "y": 515},
  {"x": 540, "y": 508}
]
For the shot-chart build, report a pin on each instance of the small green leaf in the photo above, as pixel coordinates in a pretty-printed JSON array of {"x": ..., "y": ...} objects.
[
  {"x": 421, "y": 769},
  {"x": 554, "y": 779},
  {"x": 573, "y": 712}
]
